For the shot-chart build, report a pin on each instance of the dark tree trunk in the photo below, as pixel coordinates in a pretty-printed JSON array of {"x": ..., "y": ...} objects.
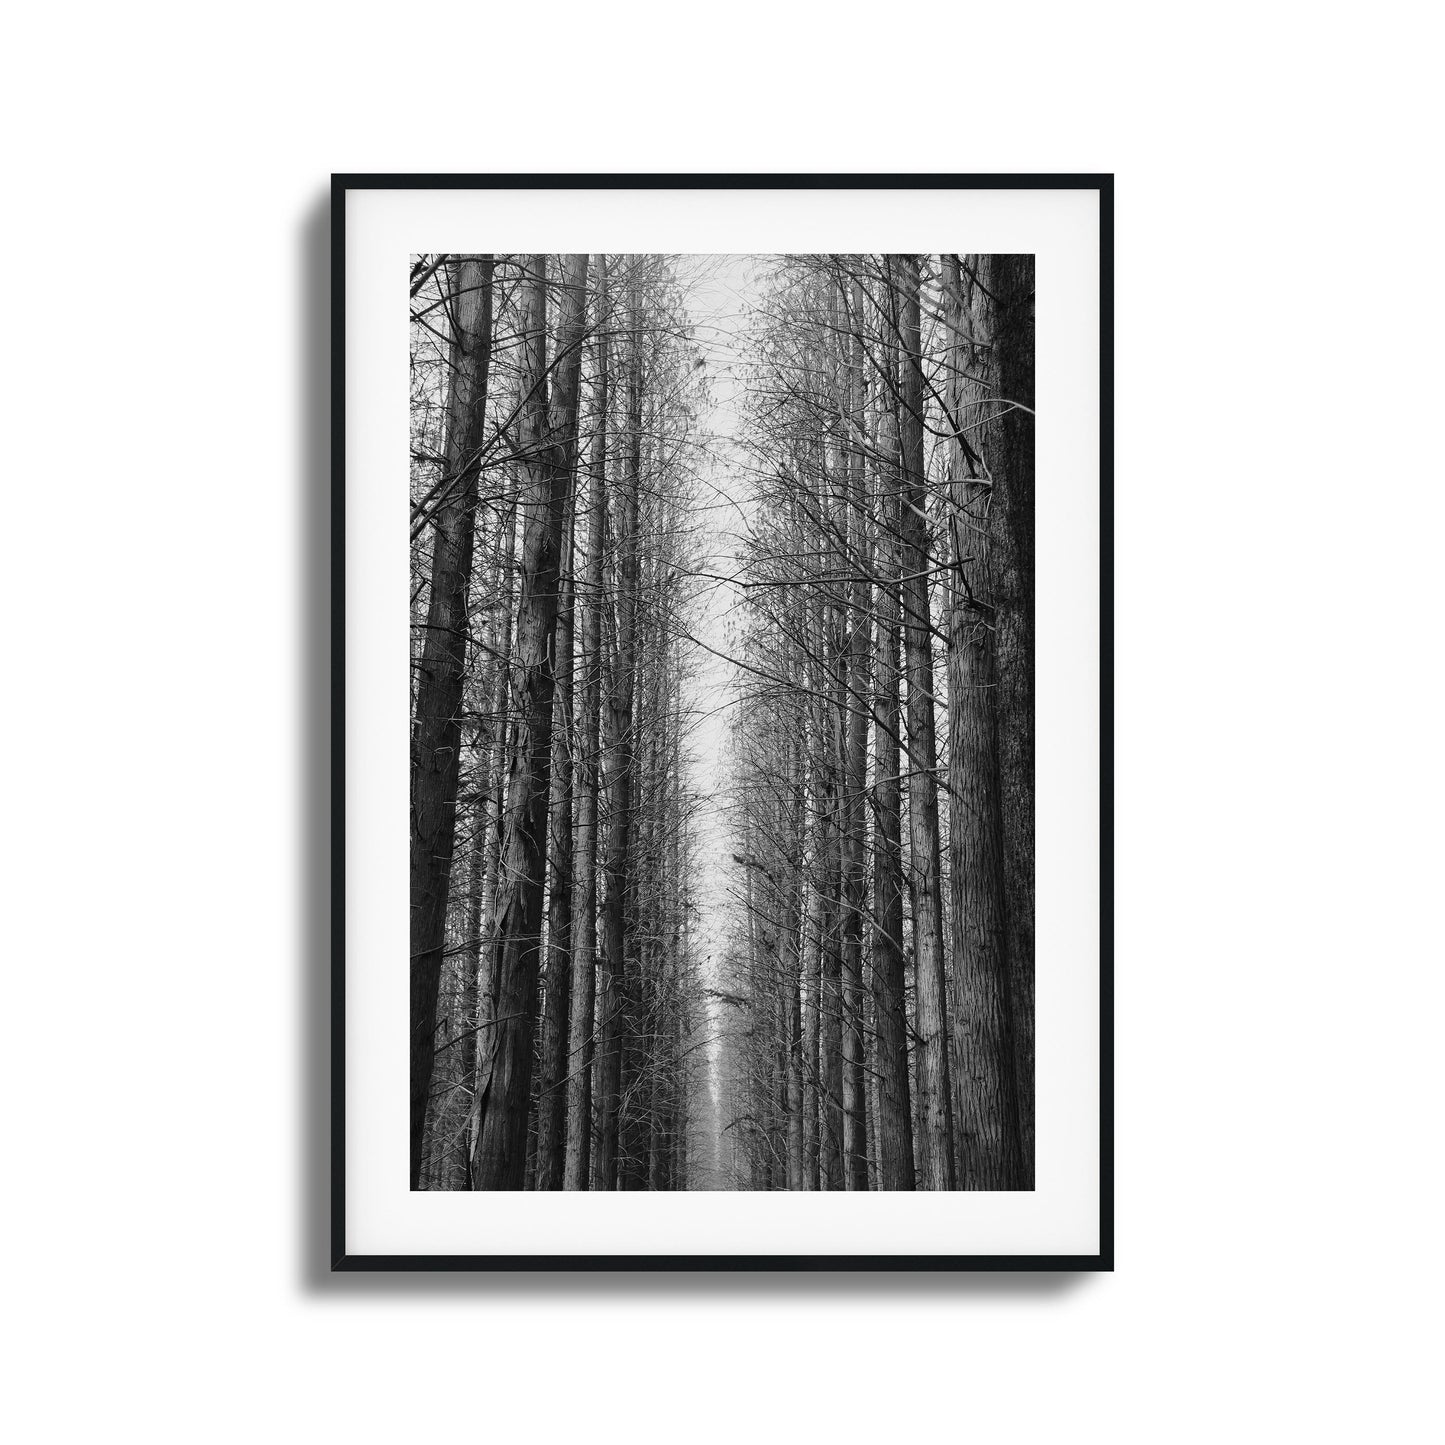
[
  {"x": 983, "y": 1040},
  {"x": 638, "y": 1055},
  {"x": 857, "y": 687},
  {"x": 829, "y": 861},
  {"x": 436, "y": 735},
  {"x": 612, "y": 1003},
  {"x": 812, "y": 984},
  {"x": 1011, "y": 441},
  {"x": 548, "y": 445}
]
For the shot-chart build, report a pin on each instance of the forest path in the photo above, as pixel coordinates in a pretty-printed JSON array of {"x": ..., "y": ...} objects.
[{"x": 723, "y": 294}]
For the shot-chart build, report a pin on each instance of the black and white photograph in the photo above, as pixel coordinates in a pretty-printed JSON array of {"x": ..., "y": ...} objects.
[
  {"x": 722, "y": 759},
  {"x": 702, "y": 744},
  {"x": 721, "y": 724}
]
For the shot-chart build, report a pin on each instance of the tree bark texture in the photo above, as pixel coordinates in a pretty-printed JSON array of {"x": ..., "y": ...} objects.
[
  {"x": 895, "y": 1107},
  {"x": 548, "y": 446},
  {"x": 985, "y": 1082},
  {"x": 584, "y": 896},
  {"x": 619, "y": 745},
  {"x": 935, "y": 1101},
  {"x": 436, "y": 734}
]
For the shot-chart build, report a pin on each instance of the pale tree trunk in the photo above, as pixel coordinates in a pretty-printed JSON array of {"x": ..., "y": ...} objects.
[
  {"x": 496, "y": 779},
  {"x": 797, "y": 1175},
  {"x": 471, "y": 963},
  {"x": 552, "y": 1099},
  {"x": 895, "y": 1109},
  {"x": 935, "y": 1101},
  {"x": 501, "y": 689},
  {"x": 436, "y": 737},
  {"x": 584, "y": 894},
  {"x": 548, "y": 444},
  {"x": 814, "y": 923},
  {"x": 792, "y": 967},
  {"x": 870, "y": 1091},
  {"x": 476, "y": 989}
]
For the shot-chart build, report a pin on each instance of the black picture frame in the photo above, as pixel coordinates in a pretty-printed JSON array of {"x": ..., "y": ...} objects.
[{"x": 340, "y": 1258}]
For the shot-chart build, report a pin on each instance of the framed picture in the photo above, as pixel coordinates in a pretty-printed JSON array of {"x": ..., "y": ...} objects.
[{"x": 722, "y": 724}]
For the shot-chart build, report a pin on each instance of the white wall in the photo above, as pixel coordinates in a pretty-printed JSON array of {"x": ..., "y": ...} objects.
[{"x": 163, "y": 568}]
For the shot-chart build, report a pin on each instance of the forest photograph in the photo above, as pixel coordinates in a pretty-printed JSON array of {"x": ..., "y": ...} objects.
[{"x": 722, "y": 722}]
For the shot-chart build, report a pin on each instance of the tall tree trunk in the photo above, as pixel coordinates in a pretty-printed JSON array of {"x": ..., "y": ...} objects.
[
  {"x": 619, "y": 773},
  {"x": 548, "y": 444},
  {"x": 471, "y": 965},
  {"x": 436, "y": 737},
  {"x": 895, "y": 1108},
  {"x": 812, "y": 1015},
  {"x": 780, "y": 1021},
  {"x": 830, "y": 891},
  {"x": 661, "y": 874},
  {"x": 1011, "y": 442},
  {"x": 857, "y": 686},
  {"x": 490, "y": 695},
  {"x": 983, "y": 1042},
  {"x": 584, "y": 895},
  {"x": 552, "y": 1061},
  {"x": 796, "y": 1100},
  {"x": 500, "y": 714},
  {"x": 791, "y": 879},
  {"x": 498, "y": 720},
  {"x": 639, "y": 1055},
  {"x": 935, "y": 1101}
]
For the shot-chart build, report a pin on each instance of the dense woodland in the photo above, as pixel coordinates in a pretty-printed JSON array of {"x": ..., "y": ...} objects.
[
  {"x": 882, "y": 975},
  {"x": 857, "y": 1013}
]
